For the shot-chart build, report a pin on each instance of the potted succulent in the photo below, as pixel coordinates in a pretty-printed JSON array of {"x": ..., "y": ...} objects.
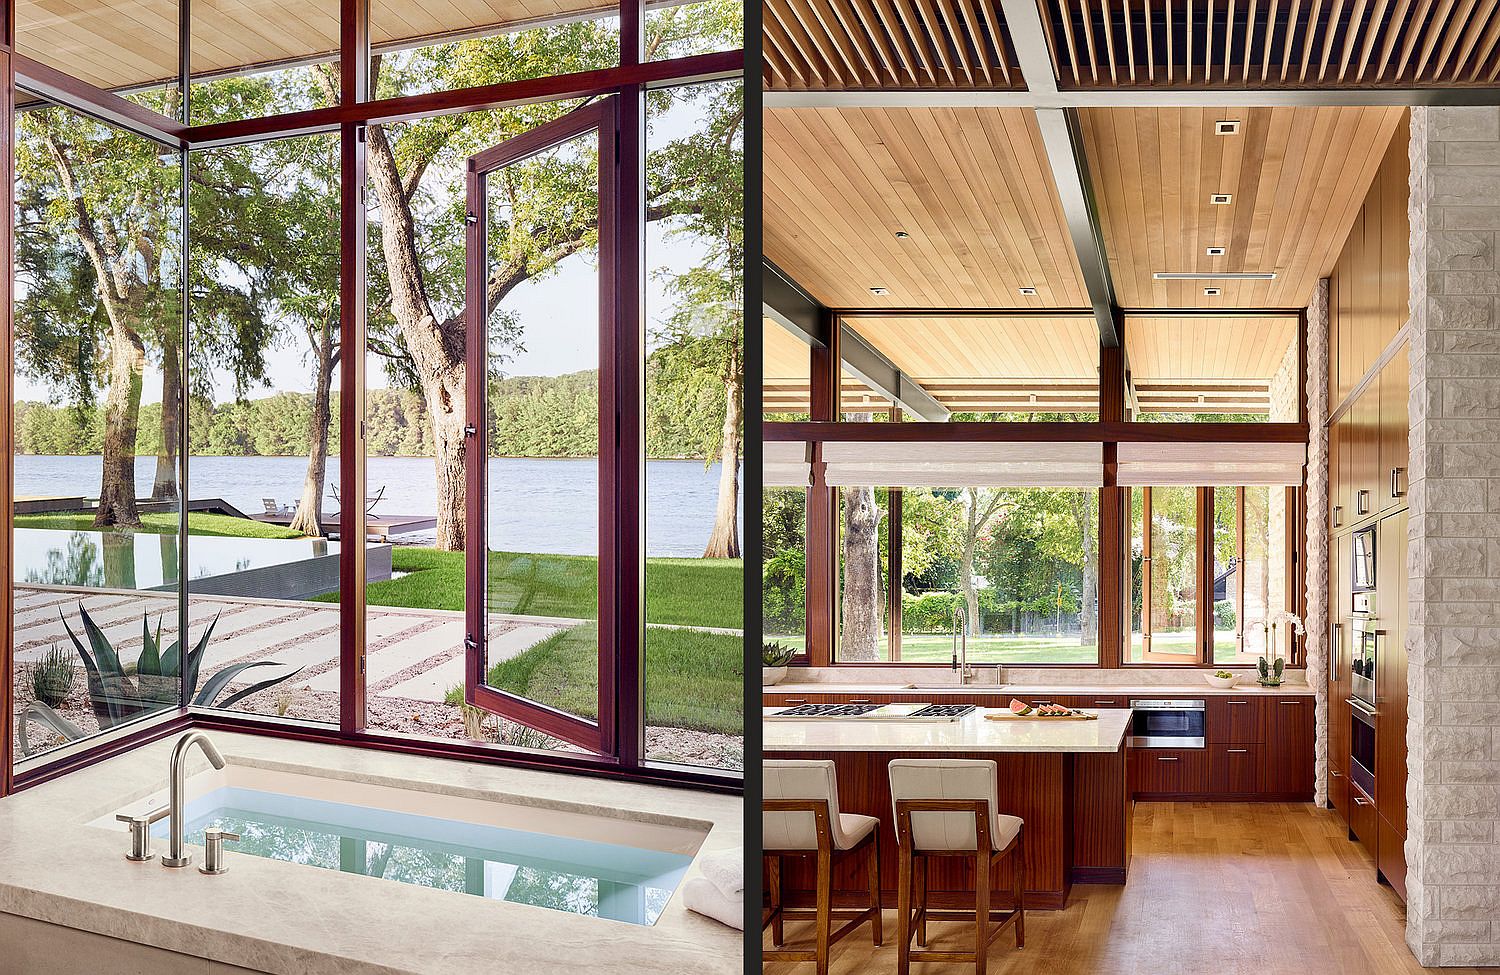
[
  {"x": 773, "y": 660},
  {"x": 1272, "y": 664}
]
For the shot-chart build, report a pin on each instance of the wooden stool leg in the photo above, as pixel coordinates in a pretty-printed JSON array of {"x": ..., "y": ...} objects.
[
  {"x": 1018, "y": 868},
  {"x": 983, "y": 861},
  {"x": 921, "y": 882},
  {"x": 825, "y": 910},
  {"x": 778, "y": 933},
  {"x": 903, "y": 912},
  {"x": 877, "y": 922}
]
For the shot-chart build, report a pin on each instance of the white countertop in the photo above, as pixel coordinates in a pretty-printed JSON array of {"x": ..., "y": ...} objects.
[
  {"x": 290, "y": 919},
  {"x": 1027, "y": 691},
  {"x": 972, "y": 733}
]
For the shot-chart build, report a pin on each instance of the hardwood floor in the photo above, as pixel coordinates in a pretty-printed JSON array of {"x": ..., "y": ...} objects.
[{"x": 1215, "y": 889}]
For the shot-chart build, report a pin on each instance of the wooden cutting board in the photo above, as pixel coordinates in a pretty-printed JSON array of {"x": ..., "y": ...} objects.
[{"x": 1010, "y": 716}]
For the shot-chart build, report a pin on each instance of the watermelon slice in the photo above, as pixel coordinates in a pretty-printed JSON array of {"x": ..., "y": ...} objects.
[{"x": 1018, "y": 706}]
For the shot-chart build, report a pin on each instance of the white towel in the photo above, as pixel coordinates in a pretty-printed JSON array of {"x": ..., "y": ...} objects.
[
  {"x": 701, "y": 896},
  {"x": 727, "y": 871}
]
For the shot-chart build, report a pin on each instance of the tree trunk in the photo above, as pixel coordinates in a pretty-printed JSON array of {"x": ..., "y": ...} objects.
[
  {"x": 860, "y": 636},
  {"x": 448, "y": 434},
  {"x": 165, "y": 488},
  {"x": 724, "y": 543},
  {"x": 309, "y": 517},
  {"x": 966, "y": 577},
  {"x": 122, "y": 406}
]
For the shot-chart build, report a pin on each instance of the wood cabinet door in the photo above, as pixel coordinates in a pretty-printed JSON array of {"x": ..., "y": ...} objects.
[
  {"x": 1395, "y": 390},
  {"x": 1364, "y": 821},
  {"x": 1390, "y": 856},
  {"x": 1289, "y": 746},
  {"x": 1169, "y": 771},
  {"x": 1237, "y": 720},
  {"x": 1341, "y": 475},
  {"x": 1236, "y": 770},
  {"x": 1390, "y": 671},
  {"x": 1364, "y": 490}
]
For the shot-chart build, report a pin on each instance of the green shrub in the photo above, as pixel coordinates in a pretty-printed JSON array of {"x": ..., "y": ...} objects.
[{"x": 52, "y": 677}]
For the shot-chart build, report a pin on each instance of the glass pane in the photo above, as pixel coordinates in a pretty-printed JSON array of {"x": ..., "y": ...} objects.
[
  {"x": 784, "y": 567},
  {"x": 1242, "y": 370},
  {"x": 264, "y": 355},
  {"x": 1032, "y": 574},
  {"x": 415, "y": 404},
  {"x": 98, "y": 414},
  {"x": 786, "y": 369},
  {"x": 1257, "y": 589},
  {"x": 267, "y": 57},
  {"x": 695, "y": 428},
  {"x": 995, "y": 368},
  {"x": 1164, "y": 591},
  {"x": 541, "y": 591},
  {"x": 863, "y": 575},
  {"x": 420, "y": 48},
  {"x": 677, "y": 30},
  {"x": 129, "y": 46}
]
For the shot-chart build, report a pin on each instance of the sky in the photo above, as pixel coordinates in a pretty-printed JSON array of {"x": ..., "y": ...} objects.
[{"x": 568, "y": 295}]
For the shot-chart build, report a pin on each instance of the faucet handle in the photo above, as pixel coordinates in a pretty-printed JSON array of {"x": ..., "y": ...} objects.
[
  {"x": 140, "y": 833},
  {"x": 213, "y": 850}
]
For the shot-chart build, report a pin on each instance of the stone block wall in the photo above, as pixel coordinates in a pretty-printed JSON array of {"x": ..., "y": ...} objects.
[
  {"x": 1316, "y": 546},
  {"x": 1453, "y": 736}
]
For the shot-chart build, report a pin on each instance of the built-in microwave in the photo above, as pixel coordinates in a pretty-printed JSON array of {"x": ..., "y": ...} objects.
[{"x": 1166, "y": 724}]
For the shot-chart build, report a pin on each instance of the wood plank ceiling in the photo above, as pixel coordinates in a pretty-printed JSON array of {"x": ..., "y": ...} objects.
[
  {"x": 965, "y": 44},
  {"x": 122, "y": 44},
  {"x": 969, "y": 187},
  {"x": 1296, "y": 177}
]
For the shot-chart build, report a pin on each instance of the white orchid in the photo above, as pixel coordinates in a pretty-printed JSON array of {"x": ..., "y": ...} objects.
[{"x": 1290, "y": 619}]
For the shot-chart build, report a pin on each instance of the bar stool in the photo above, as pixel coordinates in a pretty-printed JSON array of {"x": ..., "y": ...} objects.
[
  {"x": 949, "y": 808},
  {"x": 800, "y": 817}
]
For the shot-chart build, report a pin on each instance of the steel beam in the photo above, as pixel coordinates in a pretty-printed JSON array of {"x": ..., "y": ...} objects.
[
  {"x": 784, "y": 301},
  {"x": 1062, "y": 139}
]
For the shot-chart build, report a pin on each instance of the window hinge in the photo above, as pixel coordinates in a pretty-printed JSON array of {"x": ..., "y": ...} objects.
[
  {"x": 469, "y": 430},
  {"x": 469, "y": 642},
  {"x": 470, "y": 219}
]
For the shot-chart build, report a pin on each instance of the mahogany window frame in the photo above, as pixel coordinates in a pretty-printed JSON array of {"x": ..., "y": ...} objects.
[{"x": 628, "y": 83}]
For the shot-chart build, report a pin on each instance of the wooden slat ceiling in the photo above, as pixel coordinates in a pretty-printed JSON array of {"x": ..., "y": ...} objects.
[
  {"x": 976, "y": 364},
  {"x": 1207, "y": 364},
  {"x": 1274, "y": 43},
  {"x": 970, "y": 187},
  {"x": 117, "y": 44},
  {"x": 887, "y": 44},
  {"x": 1297, "y": 177}
]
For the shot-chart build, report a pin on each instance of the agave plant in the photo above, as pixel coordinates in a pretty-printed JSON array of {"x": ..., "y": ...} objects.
[{"x": 159, "y": 679}]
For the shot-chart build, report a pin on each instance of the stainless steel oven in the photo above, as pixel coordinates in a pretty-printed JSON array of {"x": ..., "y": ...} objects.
[
  {"x": 1362, "y": 745},
  {"x": 1166, "y": 724},
  {"x": 1364, "y": 644}
]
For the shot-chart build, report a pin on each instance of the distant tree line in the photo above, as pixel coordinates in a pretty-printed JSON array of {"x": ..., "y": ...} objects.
[{"x": 531, "y": 416}]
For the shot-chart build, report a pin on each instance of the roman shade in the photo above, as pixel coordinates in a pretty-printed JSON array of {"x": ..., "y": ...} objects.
[
  {"x": 786, "y": 463},
  {"x": 964, "y": 464},
  {"x": 1210, "y": 464}
]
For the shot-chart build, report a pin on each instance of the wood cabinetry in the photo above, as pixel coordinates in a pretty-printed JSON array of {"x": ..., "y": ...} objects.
[
  {"x": 1395, "y": 388},
  {"x": 1390, "y": 701},
  {"x": 1339, "y": 677},
  {"x": 1168, "y": 772},
  {"x": 1236, "y": 720},
  {"x": 1289, "y": 739}
]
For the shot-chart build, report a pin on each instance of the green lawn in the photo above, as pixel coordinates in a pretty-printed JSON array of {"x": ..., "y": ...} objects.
[
  {"x": 165, "y": 523},
  {"x": 681, "y": 592},
  {"x": 693, "y": 679}
]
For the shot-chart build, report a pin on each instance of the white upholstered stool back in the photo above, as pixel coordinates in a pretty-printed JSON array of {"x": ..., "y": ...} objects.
[
  {"x": 803, "y": 779},
  {"x": 950, "y": 778}
]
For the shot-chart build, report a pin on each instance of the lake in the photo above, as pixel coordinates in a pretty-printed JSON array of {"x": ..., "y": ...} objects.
[{"x": 535, "y": 505}]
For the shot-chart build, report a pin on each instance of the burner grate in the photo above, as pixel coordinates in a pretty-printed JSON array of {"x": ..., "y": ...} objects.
[{"x": 943, "y": 711}]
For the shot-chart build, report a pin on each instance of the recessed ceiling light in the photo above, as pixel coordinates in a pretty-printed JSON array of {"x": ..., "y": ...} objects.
[
  {"x": 880, "y": 291},
  {"x": 1027, "y": 291},
  {"x": 902, "y": 235},
  {"x": 1211, "y": 292},
  {"x": 1221, "y": 199},
  {"x": 1216, "y": 252},
  {"x": 1214, "y": 275},
  {"x": 1227, "y": 126}
]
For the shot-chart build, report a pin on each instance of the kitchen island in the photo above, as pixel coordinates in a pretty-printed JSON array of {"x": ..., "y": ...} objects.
[{"x": 1067, "y": 779}]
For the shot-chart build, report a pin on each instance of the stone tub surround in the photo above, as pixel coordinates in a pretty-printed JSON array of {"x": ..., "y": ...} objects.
[
  {"x": 1453, "y": 676},
  {"x": 269, "y": 916}
]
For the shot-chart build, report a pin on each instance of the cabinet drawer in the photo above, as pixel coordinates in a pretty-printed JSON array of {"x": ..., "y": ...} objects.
[
  {"x": 1364, "y": 821},
  {"x": 1391, "y": 857},
  {"x": 1236, "y": 770},
  {"x": 1338, "y": 790},
  {"x": 1169, "y": 771},
  {"x": 1238, "y": 720}
]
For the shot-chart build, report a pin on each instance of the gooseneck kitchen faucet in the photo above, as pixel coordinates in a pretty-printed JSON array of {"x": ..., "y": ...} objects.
[
  {"x": 176, "y": 855},
  {"x": 961, "y": 642}
]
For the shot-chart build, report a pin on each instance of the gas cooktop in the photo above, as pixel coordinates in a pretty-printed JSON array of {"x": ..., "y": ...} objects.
[
  {"x": 829, "y": 711},
  {"x": 943, "y": 711}
]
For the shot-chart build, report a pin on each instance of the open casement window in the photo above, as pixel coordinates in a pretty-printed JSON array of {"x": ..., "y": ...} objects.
[
  {"x": 517, "y": 601},
  {"x": 1165, "y": 575}
]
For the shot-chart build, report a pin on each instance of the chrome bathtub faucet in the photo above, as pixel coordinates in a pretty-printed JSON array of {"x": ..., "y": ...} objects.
[{"x": 177, "y": 855}]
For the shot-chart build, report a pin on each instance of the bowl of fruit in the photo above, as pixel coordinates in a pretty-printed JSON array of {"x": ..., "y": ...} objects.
[{"x": 1221, "y": 678}]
